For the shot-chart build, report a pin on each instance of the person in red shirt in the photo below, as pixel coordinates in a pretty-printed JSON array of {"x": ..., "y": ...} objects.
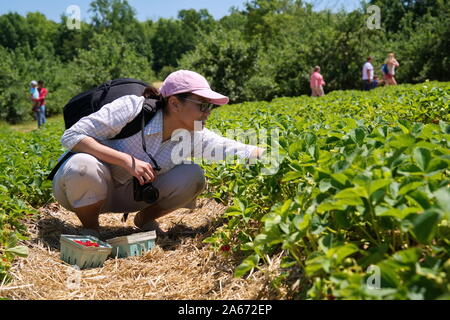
[{"x": 42, "y": 95}]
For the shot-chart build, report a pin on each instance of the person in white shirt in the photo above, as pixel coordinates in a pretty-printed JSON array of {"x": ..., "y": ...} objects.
[
  {"x": 367, "y": 74},
  {"x": 99, "y": 177}
]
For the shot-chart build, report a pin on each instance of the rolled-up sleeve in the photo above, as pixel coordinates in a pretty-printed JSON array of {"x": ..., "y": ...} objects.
[
  {"x": 211, "y": 146},
  {"x": 104, "y": 124}
]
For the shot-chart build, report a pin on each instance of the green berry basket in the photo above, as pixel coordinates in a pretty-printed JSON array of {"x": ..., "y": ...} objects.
[
  {"x": 84, "y": 257},
  {"x": 133, "y": 245}
]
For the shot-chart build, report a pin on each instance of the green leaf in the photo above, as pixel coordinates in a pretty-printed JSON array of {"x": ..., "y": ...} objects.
[
  {"x": 247, "y": 265},
  {"x": 292, "y": 175},
  {"x": 390, "y": 276},
  {"x": 378, "y": 184},
  {"x": 230, "y": 213},
  {"x": 420, "y": 198},
  {"x": 424, "y": 226},
  {"x": 359, "y": 135},
  {"x": 327, "y": 242},
  {"x": 328, "y": 206},
  {"x": 20, "y": 251},
  {"x": 302, "y": 222},
  {"x": 325, "y": 185},
  {"x": 401, "y": 141},
  {"x": 271, "y": 221},
  {"x": 342, "y": 252},
  {"x": 4, "y": 189},
  {"x": 445, "y": 127},
  {"x": 351, "y": 193},
  {"x": 436, "y": 165},
  {"x": 409, "y": 256},
  {"x": 410, "y": 186},
  {"x": 340, "y": 178},
  {"x": 294, "y": 148},
  {"x": 422, "y": 158},
  {"x": 374, "y": 255},
  {"x": 443, "y": 200},
  {"x": 317, "y": 264},
  {"x": 242, "y": 204},
  {"x": 397, "y": 213}
]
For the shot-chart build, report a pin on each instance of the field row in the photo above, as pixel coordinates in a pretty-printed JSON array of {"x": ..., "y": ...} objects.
[{"x": 358, "y": 206}]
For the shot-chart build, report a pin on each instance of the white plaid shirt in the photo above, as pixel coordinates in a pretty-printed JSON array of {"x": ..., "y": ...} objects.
[{"x": 111, "y": 118}]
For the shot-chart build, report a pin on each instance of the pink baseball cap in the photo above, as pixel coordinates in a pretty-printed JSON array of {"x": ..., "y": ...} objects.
[{"x": 189, "y": 81}]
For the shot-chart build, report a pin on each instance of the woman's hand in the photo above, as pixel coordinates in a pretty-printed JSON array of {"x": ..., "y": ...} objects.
[{"x": 142, "y": 170}]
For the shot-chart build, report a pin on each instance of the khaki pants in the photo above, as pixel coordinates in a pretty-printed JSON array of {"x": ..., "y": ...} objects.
[
  {"x": 84, "y": 180},
  {"x": 317, "y": 91}
]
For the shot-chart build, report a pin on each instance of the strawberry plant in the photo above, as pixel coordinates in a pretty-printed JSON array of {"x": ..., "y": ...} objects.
[
  {"x": 356, "y": 203},
  {"x": 25, "y": 161},
  {"x": 363, "y": 185}
]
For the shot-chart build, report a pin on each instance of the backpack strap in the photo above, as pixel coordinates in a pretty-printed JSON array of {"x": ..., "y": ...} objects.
[
  {"x": 96, "y": 98},
  {"x": 149, "y": 109},
  {"x": 59, "y": 164}
]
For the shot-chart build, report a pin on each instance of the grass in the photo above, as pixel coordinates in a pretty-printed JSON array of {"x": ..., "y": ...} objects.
[{"x": 31, "y": 125}]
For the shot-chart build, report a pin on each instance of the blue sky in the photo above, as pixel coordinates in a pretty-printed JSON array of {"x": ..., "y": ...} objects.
[{"x": 150, "y": 9}]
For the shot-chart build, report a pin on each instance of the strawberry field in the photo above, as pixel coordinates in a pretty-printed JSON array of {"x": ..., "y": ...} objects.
[{"x": 356, "y": 205}]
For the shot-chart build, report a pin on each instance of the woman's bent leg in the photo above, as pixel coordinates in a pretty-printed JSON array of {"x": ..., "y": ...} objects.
[
  {"x": 89, "y": 215},
  {"x": 81, "y": 185}
]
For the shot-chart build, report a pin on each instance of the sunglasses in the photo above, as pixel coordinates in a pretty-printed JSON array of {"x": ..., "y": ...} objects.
[{"x": 203, "y": 106}]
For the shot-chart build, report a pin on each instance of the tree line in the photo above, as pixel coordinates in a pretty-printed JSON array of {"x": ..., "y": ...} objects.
[{"x": 263, "y": 51}]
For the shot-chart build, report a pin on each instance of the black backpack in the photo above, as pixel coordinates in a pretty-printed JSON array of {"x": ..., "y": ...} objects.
[{"x": 93, "y": 100}]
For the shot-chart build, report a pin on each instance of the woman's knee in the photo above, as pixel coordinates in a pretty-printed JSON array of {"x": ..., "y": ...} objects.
[
  {"x": 84, "y": 180},
  {"x": 183, "y": 184},
  {"x": 196, "y": 177},
  {"x": 82, "y": 166},
  {"x": 185, "y": 178}
]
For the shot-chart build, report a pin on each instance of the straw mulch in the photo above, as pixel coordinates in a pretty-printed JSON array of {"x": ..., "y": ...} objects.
[{"x": 179, "y": 267}]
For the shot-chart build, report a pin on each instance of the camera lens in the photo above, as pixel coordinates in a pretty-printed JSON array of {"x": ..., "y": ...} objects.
[{"x": 150, "y": 194}]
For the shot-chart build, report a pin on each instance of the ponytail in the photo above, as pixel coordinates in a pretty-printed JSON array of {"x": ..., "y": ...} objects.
[{"x": 152, "y": 93}]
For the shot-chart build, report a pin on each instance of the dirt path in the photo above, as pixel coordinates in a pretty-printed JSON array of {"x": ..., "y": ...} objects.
[{"x": 179, "y": 267}]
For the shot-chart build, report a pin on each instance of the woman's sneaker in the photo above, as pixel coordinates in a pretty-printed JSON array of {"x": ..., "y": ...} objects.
[{"x": 152, "y": 225}]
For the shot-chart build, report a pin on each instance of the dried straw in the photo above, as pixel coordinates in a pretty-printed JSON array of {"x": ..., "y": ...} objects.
[{"x": 179, "y": 267}]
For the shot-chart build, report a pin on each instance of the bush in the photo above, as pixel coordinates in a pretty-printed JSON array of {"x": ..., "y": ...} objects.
[
  {"x": 109, "y": 57},
  {"x": 228, "y": 62}
]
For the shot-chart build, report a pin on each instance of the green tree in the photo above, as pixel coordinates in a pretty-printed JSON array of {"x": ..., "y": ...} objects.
[
  {"x": 18, "y": 67},
  {"x": 172, "y": 38},
  {"x": 266, "y": 19},
  {"x": 18, "y": 31},
  {"x": 68, "y": 41},
  {"x": 108, "y": 57},
  {"x": 236, "y": 20},
  {"x": 118, "y": 16},
  {"x": 230, "y": 64},
  {"x": 393, "y": 11}
]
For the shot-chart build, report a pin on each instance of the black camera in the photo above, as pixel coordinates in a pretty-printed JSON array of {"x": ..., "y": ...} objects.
[{"x": 147, "y": 192}]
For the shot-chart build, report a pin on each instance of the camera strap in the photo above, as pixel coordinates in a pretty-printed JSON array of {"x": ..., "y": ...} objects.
[{"x": 144, "y": 145}]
